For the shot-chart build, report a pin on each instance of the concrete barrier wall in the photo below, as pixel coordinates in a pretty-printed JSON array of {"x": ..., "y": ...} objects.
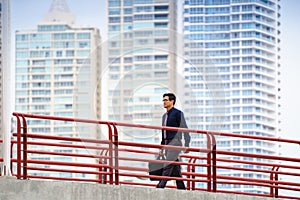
[{"x": 13, "y": 189}]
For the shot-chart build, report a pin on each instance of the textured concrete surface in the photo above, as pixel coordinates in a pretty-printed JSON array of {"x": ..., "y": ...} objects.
[{"x": 13, "y": 189}]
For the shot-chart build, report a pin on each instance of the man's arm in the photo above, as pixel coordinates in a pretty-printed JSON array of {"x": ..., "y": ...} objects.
[
  {"x": 186, "y": 135},
  {"x": 163, "y": 142}
]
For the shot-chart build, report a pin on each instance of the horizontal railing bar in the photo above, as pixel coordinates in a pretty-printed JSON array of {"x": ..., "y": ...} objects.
[
  {"x": 72, "y": 139},
  {"x": 69, "y": 171},
  {"x": 162, "y": 161},
  {"x": 244, "y": 169},
  {"x": 158, "y": 146},
  {"x": 67, "y": 145},
  {"x": 64, "y": 178},
  {"x": 258, "y": 163},
  {"x": 287, "y": 188},
  {"x": 72, "y": 164},
  {"x": 142, "y": 169},
  {"x": 245, "y": 183},
  {"x": 56, "y": 118},
  {"x": 287, "y": 197},
  {"x": 232, "y": 153},
  {"x": 257, "y": 180},
  {"x": 258, "y": 170},
  {"x": 156, "y": 153},
  {"x": 138, "y": 151},
  {"x": 67, "y": 154}
]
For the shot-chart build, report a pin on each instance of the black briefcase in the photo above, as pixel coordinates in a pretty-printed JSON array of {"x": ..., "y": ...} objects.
[{"x": 156, "y": 168}]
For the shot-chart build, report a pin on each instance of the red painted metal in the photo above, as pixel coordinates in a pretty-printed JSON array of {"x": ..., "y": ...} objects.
[
  {"x": 19, "y": 150},
  {"x": 108, "y": 163},
  {"x": 115, "y": 142},
  {"x": 24, "y": 128}
]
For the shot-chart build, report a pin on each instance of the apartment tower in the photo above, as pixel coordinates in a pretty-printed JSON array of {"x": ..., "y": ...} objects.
[
  {"x": 141, "y": 63},
  {"x": 57, "y": 68},
  {"x": 232, "y": 72}
]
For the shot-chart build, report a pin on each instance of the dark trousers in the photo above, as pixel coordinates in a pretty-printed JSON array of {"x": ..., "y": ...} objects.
[{"x": 172, "y": 169}]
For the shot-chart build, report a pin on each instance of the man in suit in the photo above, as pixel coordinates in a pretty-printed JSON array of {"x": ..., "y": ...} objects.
[{"x": 173, "y": 118}]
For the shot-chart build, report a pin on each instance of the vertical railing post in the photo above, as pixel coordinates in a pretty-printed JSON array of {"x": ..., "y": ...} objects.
[
  {"x": 116, "y": 153},
  {"x": 276, "y": 182},
  {"x": 101, "y": 168},
  {"x": 191, "y": 170},
  {"x": 272, "y": 182},
  {"x": 189, "y": 176},
  {"x": 19, "y": 157},
  {"x": 110, "y": 154},
  {"x": 194, "y": 177},
  {"x": 106, "y": 169},
  {"x": 214, "y": 162},
  {"x": 11, "y": 156},
  {"x": 24, "y": 147},
  {"x": 208, "y": 162}
]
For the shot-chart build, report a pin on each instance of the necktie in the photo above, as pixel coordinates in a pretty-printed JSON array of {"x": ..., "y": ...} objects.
[{"x": 165, "y": 124}]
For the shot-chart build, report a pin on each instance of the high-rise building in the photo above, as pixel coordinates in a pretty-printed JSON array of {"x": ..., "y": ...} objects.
[
  {"x": 233, "y": 74},
  {"x": 141, "y": 63},
  {"x": 57, "y": 67}
]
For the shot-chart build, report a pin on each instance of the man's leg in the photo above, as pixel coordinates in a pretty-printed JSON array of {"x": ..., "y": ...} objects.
[
  {"x": 171, "y": 155},
  {"x": 177, "y": 173},
  {"x": 167, "y": 171}
]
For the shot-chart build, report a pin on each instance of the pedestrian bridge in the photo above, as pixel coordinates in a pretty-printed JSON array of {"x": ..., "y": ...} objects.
[
  {"x": 111, "y": 167},
  {"x": 11, "y": 188}
]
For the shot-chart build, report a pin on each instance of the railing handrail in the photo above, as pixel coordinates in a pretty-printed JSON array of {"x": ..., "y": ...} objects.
[{"x": 49, "y": 117}]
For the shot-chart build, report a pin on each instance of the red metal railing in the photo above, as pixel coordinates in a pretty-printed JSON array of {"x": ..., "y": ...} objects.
[{"x": 113, "y": 161}]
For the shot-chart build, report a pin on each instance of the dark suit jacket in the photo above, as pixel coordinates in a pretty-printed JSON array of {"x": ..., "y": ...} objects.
[{"x": 175, "y": 119}]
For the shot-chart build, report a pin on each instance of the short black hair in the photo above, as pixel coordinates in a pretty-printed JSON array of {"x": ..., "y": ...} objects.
[{"x": 171, "y": 97}]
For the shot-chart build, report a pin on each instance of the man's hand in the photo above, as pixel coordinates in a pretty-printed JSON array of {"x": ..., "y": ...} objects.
[{"x": 186, "y": 150}]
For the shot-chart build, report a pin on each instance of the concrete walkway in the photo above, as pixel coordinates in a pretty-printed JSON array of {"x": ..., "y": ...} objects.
[{"x": 13, "y": 189}]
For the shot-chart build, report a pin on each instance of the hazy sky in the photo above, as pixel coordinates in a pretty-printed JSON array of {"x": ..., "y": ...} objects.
[{"x": 25, "y": 14}]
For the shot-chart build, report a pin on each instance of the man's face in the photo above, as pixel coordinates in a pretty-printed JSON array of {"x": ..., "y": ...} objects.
[{"x": 167, "y": 102}]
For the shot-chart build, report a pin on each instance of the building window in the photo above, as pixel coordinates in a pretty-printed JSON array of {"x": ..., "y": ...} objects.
[
  {"x": 114, "y": 3},
  {"x": 127, "y": 11},
  {"x": 83, "y": 36},
  {"x": 59, "y": 54},
  {"x": 114, "y": 19},
  {"x": 161, "y": 57},
  {"x": 235, "y": 8},
  {"x": 128, "y": 2}
]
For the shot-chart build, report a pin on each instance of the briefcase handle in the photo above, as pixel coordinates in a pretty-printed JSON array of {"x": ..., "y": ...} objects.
[{"x": 160, "y": 157}]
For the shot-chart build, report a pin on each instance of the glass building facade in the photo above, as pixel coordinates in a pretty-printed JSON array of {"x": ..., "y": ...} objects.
[
  {"x": 140, "y": 66},
  {"x": 57, "y": 67},
  {"x": 141, "y": 62},
  {"x": 232, "y": 73}
]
